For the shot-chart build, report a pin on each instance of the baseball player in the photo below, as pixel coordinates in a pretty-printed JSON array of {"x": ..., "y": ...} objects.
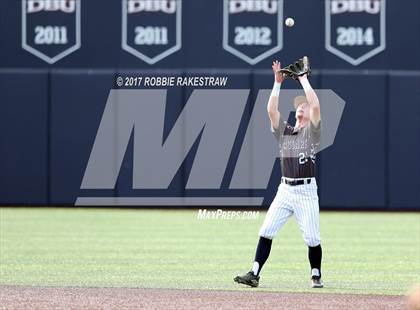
[{"x": 297, "y": 193}]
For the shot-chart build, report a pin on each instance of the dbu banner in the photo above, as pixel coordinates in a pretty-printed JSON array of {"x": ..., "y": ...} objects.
[
  {"x": 253, "y": 30},
  {"x": 213, "y": 163},
  {"x": 51, "y": 28},
  {"x": 355, "y": 30},
  {"x": 151, "y": 29}
]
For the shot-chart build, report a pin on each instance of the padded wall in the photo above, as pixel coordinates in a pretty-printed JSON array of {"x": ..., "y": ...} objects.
[
  {"x": 404, "y": 140},
  {"x": 24, "y": 98},
  {"x": 78, "y": 99},
  {"x": 353, "y": 170},
  {"x": 50, "y": 119}
]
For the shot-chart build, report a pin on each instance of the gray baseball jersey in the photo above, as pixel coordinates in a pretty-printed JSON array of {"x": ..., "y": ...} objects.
[{"x": 297, "y": 149}]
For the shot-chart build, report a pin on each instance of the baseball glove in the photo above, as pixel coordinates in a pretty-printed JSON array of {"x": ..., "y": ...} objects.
[{"x": 298, "y": 68}]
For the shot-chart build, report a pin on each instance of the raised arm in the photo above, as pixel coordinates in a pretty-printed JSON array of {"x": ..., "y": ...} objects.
[
  {"x": 272, "y": 106},
  {"x": 313, "y": 101}
]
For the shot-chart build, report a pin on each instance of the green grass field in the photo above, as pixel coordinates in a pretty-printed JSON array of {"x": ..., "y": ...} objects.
[{"x": 364, "y": 253}]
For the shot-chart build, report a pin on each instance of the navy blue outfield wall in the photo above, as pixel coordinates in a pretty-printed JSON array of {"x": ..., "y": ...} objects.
[
  {"x": 49, "y": 120},
  {"x": 24, "y": 136},
  {"x": 59, "y": 60}
]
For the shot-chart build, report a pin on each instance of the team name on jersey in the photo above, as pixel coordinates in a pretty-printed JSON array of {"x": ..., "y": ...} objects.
[
  {"x": 294, "y": 144},
  {"x": 266, "y": 6},
  {"x": 355, "y": 6},
  {"x": 165, "y": 6},
  {"x": 66, "y": 6}
]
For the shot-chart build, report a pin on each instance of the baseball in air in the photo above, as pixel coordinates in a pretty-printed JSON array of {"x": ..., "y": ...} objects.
[{"x": 290, "y": 22}]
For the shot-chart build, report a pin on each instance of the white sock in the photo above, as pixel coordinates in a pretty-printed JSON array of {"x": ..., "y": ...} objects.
[
  {"x": 255, "y": 268},
  {"x": 315, "y": 272}
]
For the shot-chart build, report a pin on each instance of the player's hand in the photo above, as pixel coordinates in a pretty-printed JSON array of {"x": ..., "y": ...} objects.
[{"x": 278, "y": 76}]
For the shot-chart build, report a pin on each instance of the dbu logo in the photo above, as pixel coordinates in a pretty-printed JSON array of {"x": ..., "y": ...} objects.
[
  {"x": 65, "y": 6},
  {"x": 252, "y": 29},
  {"x": 355, "y": 30},
  {"x": 151, "y": 29},
  {"x": 205, "y": 133},
  {"x": 343, "y": 6},
  {"x": 165, "y": 6},
  {"x": 266, "y": 6},
  {"x": 51, "y": 29}
]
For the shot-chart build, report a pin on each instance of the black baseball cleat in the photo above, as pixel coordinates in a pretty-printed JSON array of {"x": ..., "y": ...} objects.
[
  {"x": 248, "y": 279},
  {"x": 316, "y": 282}
]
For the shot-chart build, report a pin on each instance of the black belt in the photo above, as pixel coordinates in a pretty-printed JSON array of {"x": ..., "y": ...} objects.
[{"x": 295, "y": 182}]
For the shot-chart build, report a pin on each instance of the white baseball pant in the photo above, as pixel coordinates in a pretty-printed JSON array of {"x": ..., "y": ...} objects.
[{"x": 300, "y": 200}]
